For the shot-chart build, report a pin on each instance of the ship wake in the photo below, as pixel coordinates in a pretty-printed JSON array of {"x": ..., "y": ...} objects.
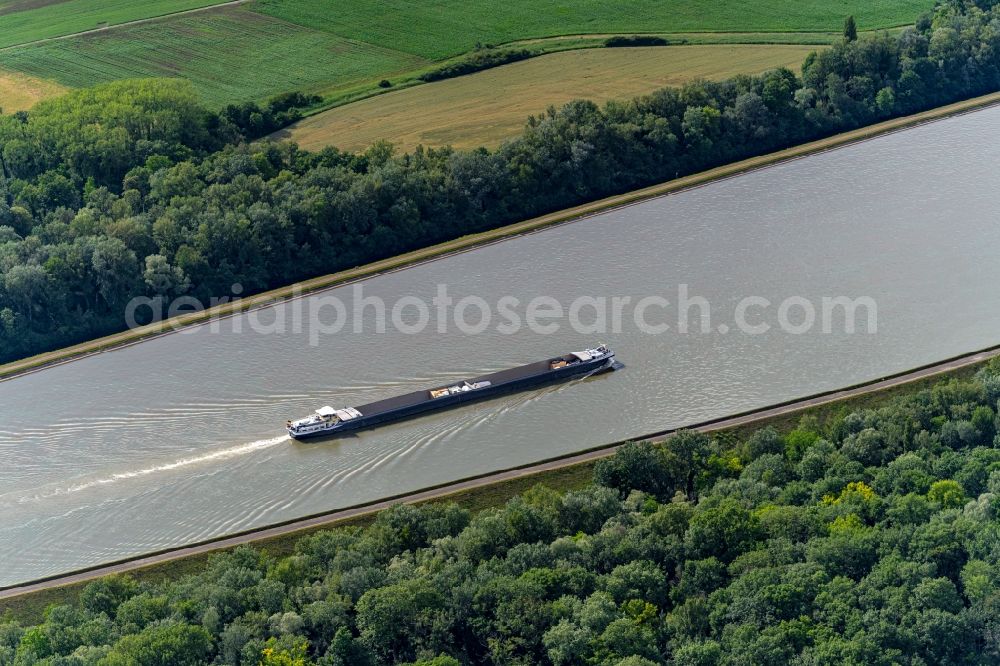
[{"x": 214, "y": 456}]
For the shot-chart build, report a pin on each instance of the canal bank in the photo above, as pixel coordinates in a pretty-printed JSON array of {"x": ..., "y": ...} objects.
[
  {"x": 473, "y": 241},
  {"x": 27, "y": 601},
  {"x": 180, "y": 439}
]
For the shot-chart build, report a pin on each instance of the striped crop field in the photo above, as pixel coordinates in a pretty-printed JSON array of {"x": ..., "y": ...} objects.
[
  {"x": 484, "y": 108},
  {"x": 229, "y": 54},
  {"x": 23, "y": 21}
]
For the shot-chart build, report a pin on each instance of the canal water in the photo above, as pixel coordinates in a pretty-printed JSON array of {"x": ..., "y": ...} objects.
[{"x": 181, "y": 438}]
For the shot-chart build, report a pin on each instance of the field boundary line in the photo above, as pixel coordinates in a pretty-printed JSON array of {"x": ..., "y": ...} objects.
[
  {"x": 667, "y": 34},
  {"x": 148, "y": 19},
  {"x": 467, "y": 243}
]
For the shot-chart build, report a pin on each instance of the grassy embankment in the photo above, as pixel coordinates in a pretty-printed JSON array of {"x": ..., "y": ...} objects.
[
  {"x": 29, "y": 608},
  {"x": 264, "y": 47},
  {"x": 466, "y": 242}
]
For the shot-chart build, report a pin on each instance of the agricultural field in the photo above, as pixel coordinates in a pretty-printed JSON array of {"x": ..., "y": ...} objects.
[
  {"x": 19, "y": 92},
  {"x": 487, "y": 107},
  {"x": 438, "y": 29},
  {"x": 259, "y": 48},
  {"x": 32, "y": 20},
  {"x": 229, "y": 54}
]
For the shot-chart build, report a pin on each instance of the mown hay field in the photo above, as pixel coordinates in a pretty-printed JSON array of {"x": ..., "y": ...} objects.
[
  {"x": 19, "y": 92},
  {"x": 438, "y": 29},
  {"x": 487, "y": 107},
  {"x": 30, "y": 20},
  {"x": 229, "y": 54}
]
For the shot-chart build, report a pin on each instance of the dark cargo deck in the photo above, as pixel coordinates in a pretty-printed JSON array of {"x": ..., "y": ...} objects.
[{"x": 496, "y": 379}]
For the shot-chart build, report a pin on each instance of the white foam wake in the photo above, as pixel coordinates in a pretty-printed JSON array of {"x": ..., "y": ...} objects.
[{"x": 222, "y": 454}]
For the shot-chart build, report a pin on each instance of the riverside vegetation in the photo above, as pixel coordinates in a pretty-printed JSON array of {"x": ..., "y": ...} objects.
[
  {"x": 870, "y": 537},
  {"x": 135, "y": 189}
]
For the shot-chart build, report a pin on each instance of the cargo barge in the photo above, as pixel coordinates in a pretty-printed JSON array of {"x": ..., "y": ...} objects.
[{"x": 328, "y": 421}]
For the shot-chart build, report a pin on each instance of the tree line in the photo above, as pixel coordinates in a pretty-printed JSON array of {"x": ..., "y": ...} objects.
[
  {"x": 481, "y": 59},
  {"x": 869, "y": 538},
  {"x": 135, "y": 189}
]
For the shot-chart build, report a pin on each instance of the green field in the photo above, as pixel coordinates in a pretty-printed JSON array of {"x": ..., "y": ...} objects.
[
  {"x": 484, "y": 108},
  {"x": 342, "y": 50},
  {"x": 31, "y": 20},
  {"x": 438, "y": 29},
  {"x": 229, "y": 54}
]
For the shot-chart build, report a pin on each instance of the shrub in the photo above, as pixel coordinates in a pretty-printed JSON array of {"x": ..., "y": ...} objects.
[
  {"x": 478, "y": 61},
  {"x": 634, "y": 40}
]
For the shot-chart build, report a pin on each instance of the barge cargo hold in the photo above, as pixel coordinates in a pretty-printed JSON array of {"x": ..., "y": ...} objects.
[{"x": 328, "y": 421}]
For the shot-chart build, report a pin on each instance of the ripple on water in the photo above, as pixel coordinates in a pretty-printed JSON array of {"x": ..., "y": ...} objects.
[{"x": 179, "y": 438}]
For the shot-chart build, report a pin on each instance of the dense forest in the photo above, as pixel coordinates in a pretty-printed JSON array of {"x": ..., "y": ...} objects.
[
  {"x": 870, "y": 538},
  {"x": 135, "y": 189}
]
